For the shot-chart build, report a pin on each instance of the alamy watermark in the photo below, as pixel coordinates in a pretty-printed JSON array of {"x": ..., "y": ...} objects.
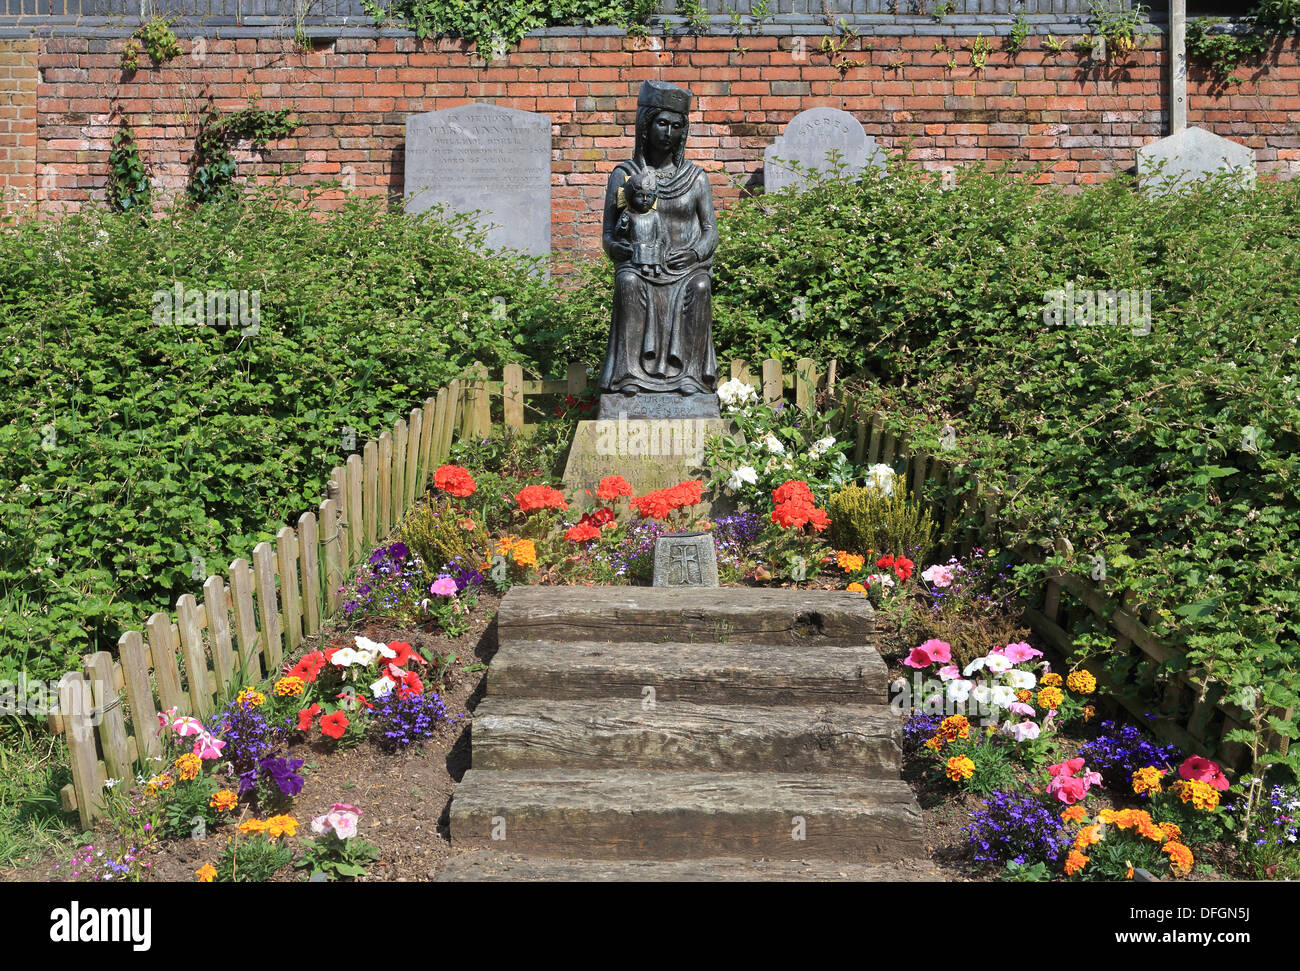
[
  {"x": 632, "y": 437},
  {"x": 1069, "y": 307}
]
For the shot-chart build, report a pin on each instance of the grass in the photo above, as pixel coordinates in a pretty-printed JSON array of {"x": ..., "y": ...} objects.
[{"x": 33, "y": 768}]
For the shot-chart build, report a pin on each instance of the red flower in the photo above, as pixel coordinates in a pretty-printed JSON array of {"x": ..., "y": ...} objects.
[
  {"x": 411, "y": 685},
  {"x": 308, "y": 667},
  {"x": 903, "y": 567},
  {"x": 661, "y": 502},
  {"x": 307, "y": 716},
  {"x": 797, "y": 513},
  {"x": 454, "y": 480},
  {"x": 334, "y": 725},
  {"x": 793, "y": 489},
  {"x": 540, "y": 497},
  {"x": 404, "y": 654},
  {"x": 885, "y": 561},
  {"x": 581, "y": 533},
  {"x": 1197, "y": 769},
  {"x": 613, "y": 486},
  {"x": 600, "y": 518}
]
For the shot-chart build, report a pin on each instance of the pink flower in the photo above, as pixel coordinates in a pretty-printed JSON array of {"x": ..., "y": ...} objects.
[
  {"x": 940, "y": 576},
  {"x": 949, "y": 672},
  {"x": 444, "y": 587},
  {"x": 1067, "y": 789},
  {"x": 1197, "y": 769},
  {"x": 1020, "y": 708},
  {"x": 342, "y": 819},
  {"x": 918, "y": 658},
  {"x": 208, "y": 746},
  {"x": 188, "y": 726},
  {"x": 1016, "y": 653},
  {"x": 1062, "y": 769},
  {"x": 165, "y": 718},
  {"x": 938, "y": 650},
  {"x": 1025, "y": 730}
]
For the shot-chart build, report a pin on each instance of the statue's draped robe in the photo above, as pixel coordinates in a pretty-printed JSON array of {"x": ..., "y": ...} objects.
[{"x": 661, "y": 338}]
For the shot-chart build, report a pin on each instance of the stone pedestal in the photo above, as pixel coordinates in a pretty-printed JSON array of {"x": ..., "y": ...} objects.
[
  {"x": 686, "y": 560},
  {"x": 649, "y": 453},
  {"x": 651, "y": 406}
]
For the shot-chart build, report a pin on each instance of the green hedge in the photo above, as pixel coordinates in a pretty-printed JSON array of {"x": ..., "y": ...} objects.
[
  {"x": 131, "y": 448},
  {"x": 1172, "y": 455}
]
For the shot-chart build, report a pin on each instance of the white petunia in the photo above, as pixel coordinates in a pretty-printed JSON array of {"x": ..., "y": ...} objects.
[
  {"x": 975, "y": 665},
  {"x": 880, "y": 477},
  {"x": 821, "y": 447},
  {"x": 1003, "y": 696},
  {"x": 959, "y": 690},
  {"x": 998, "y": 663},
  {"x": 743, "y": 476},
  {"x": 1021, "y": 679}
]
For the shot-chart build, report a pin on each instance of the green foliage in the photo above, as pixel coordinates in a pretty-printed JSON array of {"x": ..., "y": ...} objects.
[
  {"x": 1015, "y": 42},
  {"x": 252, "y": 859},
  {"x": 212, "y": 166},
  {"x": 135, "y": 446},
  {"x": 865, "y": 520},
  {"x": 496, "y": 25},
  {"x": 434, "y": 533},
  {"x": 1268, "y": 24},
  {"x": 159, "y": 42},
  {"x": 1118, "y": 22},
  {"x": 185, "y": 808},
  {"x": 128, "y": 182},
  {"x": 337, "y": 859},
  {"x": 1021, "y": 873}
]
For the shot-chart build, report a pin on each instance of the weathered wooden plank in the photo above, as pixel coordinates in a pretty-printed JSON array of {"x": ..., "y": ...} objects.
[
  {"x": 163, "y": 646},
  {"x": 384, "y": 485},
  {"x": 268, "y": 609},
  {"x": 480, "y": 417},
  {"x": 218, "y": 611},
  {"x": 355, "y": 519},
  {"x": 859, "y": 440},
  {"x": 401, "y": 445},
  {"x": 876, "y": 422},
  {"x": 550, "y": 386},
  {"x": 246, "y": 634},
  {"x": 920, "y": 464},
  {"x": 112, "y": 720},
  {"x": 415, "y": 458},
  {"x": 309, "y": 554},
  {"x": 441, "y": 420},
  {"x": 286, "y": 550},
  {"x": 75, "y": 706},
  {"x": 773, "y": 382},
  {"x": 332, "y": 544},
  {"x": 575, "y": 379},
  {"x": 453, "y": 415},
  {"x": 513, "y": 396},
  {"x": 139, "y": 695},
  {"x": 194, "y": 655},
  {"x": 428, "y": 415},
  {"x": 370, "y": 497},
  {"x": 805, "y": 383}
]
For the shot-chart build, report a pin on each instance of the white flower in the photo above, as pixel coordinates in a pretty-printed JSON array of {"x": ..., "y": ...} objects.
[
  {"x": 959, "y": 690},
  {"x": 346, "y": 657},
  {"x": 736, "y": 394},
  {"x": 880, "y": 477},
  {"x": 975, "y": 665},
  {"x": 109, "y": 783},
  {"x": 884, "y": 579},
  {"x": 821, "y": 447},
  {"x": 745, "y": 475},
  {"x": 1021, "y": 679},
  {"x": 773, "y": 444},
  {"x": 998, "y": 663},
  {"x": 1003, "y": 696},
  {"x": 382, "y": 687},
  {"x": 982, "y": 695},
  {"x": 1025, "y": 730}
]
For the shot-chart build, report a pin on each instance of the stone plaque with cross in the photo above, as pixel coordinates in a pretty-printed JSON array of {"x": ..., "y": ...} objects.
[{"x": 685, "y": 560}]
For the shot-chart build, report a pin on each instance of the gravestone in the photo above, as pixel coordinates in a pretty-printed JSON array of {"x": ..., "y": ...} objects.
[
  {"x": 809, "y": 138},
  {"x": 480, "y": 156},
  {"x": 1188, "y": 156},
  {"x": 685, "y": 560}
]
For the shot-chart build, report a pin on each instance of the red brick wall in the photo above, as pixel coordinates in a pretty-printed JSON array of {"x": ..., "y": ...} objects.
[
  {"x": 17, "y": 124},
  {"x": 352, "y": 98}
]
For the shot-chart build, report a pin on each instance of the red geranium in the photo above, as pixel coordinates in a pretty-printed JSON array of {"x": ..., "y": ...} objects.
[
  {"x": 334, "y": 725},
  {"x": 885, "y": 561},
  {"x": 661, "y": 502},
  {"x": 613, "y": 486},
  {"x": 540, "y": 497},
  {"x": 307, "y": 716},
  {"x": 796, "y": 513},
  {"x": 581, "y": 533},
  {"x": 1197, "y": 769},
  {"x": 454, "y": 480},
  {"x": 308, "y": 667},
  {"x": 793, "y": 489},
  {"x": 600, "y": 518}
]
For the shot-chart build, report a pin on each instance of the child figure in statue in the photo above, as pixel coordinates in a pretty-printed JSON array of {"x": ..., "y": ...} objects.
[{"x": 639, "y": 224}]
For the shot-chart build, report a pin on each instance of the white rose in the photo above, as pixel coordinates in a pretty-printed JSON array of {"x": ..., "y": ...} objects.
[
  {"x": 773, "y": 444},
  {"x": 735, "y": 394},
  {"x": 821, "y": 447},
  {"x": 880, "y": 477},
  {"x": 745, "y": 475}
]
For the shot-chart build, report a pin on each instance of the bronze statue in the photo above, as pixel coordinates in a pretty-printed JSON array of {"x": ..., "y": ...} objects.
[{"x": 659, "y": 230}]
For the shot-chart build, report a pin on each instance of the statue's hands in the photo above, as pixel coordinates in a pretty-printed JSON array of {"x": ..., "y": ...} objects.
[
  {"x": 680, "y": 259},
  {"x": 621, "y": 251}
]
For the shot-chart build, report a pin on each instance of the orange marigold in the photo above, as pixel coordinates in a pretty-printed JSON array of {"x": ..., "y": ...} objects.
[
  {"x": 1171, "y": 830},
  {"x": 1050, "y": 698},
  {"x": 1024, "y": 696},
  {"x": 1051, "y": 680},
  {"x": 249, "y": 826},
  {"x": 1081, "y": 681},
  {"x": 289, "y": 687},
  {"x": 223, "y": 800},
  {"x": 188, "y": 766},
  {"x": 1201, "y": 795},
  {"x": 849, "y": 562},
  {"x": 1180, "y": 858},
  {"x": 934, "y": 744},
  {"x": 206, "y": 873},
  {"x": 283, "y": 825},
  {"x": 1087, "y": 836},
  {"x": 1147, "y": 781},
  {"x": 954, "y": 727},
  {"x": 856, "y": 588},
  {"x": 960, "y": 767},
  {"x": 1073, "y": 814},
  {"x": 524, "y": 552},
  {"x": 1089, "y": 713},
  {"x": 1075, "y": 862}
]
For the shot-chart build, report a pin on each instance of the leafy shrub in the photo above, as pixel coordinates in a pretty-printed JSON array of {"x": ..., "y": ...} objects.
[
  {"x": 864, "y": 520},
  {"x": 253, "y": 859},
  {"x": 145, "y": 454},
  {"x": 435, "y": 534}
]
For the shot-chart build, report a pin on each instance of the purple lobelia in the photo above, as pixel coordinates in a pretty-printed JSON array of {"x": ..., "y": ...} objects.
[{"x": 1017, "y": 828}]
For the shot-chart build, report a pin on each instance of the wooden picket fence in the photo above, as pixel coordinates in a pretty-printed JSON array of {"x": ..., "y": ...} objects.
[{"x": 255, "y": 616}]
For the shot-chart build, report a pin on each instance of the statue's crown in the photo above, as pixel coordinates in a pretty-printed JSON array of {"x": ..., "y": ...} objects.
[{"x": 661, "y": 94}]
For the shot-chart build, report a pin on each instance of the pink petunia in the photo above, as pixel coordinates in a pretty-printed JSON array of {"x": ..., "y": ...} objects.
[
  {"x": 1016, "y": 653},
  {"x": 1065, "y": 768},
  {"x": 938, "y": 650},
  {"x": 1197, "y": 769},
  {"x": 188, "y": 726},
  {"x": 1020, "y": 708},
  {"x": 918, "y": 658},
  {"x": 949, "y": 672},
  {"x": 1068, "y": 789},
  {"x": 208, "y": 746}
]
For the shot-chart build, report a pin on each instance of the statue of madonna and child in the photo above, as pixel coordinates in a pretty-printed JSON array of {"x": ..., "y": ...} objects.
[{"x": 659, "y": 230}]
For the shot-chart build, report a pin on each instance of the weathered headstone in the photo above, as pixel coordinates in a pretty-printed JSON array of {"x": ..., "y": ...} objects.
[
  {"x": 685, "y": 560},
  {"x": 481, "y": 156},
  {"x": 809, "y": 139},
  {"x": 1192, "y": 154}
]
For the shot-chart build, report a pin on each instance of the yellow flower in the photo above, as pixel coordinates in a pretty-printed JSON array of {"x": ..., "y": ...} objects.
[
  {"x": 960, "y": 767},
  {"x": 856, "y": 588},
  {"x": 250, "y": 698},
  {"x": 289, "y": 687},
  {"x": 253, "y": 826},
  {"x": 1073, "y": 814},
  {"x": 1128, "y": 874},
  {"x": 224, "y": 800},
  {"x": 524, "y": 553},
  {"x": 505, "y": 544},
  {"x": 934, "y": 744},
  {"x": 1201, "y": 795},
  {"x": 1050, "y": 698},
  {"x": 206, "y": 873},
  {"x": 1081, "y": 681},
  {"x": 159, "y": 783},
  {"x": 1075, "y": 862},
  {"x": 1147, "y": 780},
  {"x": 188, "y": 766},
  {"x": 1024, "y": 696},
  {"x": 1050, "y": 680},
  {"x": 278, "y": 826},
  {"x": 849, "y": 562},
  {"x": 954, "y": 727},
  {"x": 1089, "y": 713},
  {"x": 1180, "y": 858},
  {"x": 1171, "y": 831}
]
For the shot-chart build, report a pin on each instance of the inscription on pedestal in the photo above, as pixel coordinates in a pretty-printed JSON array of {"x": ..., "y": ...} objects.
[{"x": 685, "y": 560}]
